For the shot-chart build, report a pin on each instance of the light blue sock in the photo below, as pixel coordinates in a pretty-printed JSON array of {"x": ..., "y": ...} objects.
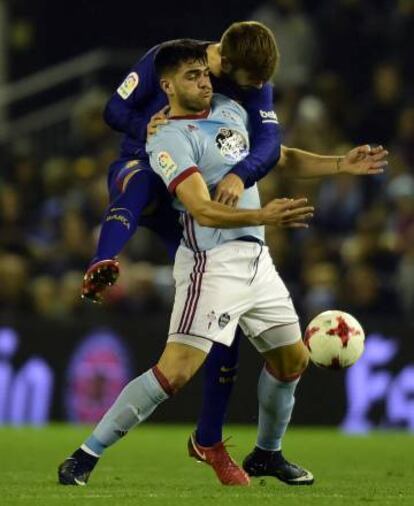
[
  {"x": 276, "y": 401},
  {"x": 134, "y": 404}
]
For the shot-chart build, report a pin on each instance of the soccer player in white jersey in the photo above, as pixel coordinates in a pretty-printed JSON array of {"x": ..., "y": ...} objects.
[{"x": 224, "y": 274}]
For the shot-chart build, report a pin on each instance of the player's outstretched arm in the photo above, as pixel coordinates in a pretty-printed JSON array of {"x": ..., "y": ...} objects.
[
  {"x": 193, "y": 193},
  {"x": 362, "y": 160}
]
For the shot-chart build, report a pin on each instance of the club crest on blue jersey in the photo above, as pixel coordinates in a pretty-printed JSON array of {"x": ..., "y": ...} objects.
[{"x": 232, "y": 144}]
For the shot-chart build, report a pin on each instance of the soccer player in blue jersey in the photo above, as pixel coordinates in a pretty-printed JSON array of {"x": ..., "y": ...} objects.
[
  {"x": 217, "y": 155},
  {"x": 223, "y": 274},
  {"x": 240, "y": 64}
]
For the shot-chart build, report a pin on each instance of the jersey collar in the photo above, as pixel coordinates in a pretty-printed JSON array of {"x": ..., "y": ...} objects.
[{"x": 200, "y": 115}]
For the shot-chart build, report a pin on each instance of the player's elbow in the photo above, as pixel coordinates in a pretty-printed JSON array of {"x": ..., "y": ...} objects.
[
  {"x": 285, "y": 163},
  {"x": 107, "y": 114},
  {"x": 111, "y": 115},
  {"x": 276, "y": 154},
  {"x": 204, "y": 220},
  {"x": 203, "y": 217}
]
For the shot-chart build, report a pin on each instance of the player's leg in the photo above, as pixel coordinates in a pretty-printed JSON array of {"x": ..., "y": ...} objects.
[
  {"x": 273, "y": 328},
  {"x": 276, "y": 395},
  {"x": 209, "y": 302},
  {"x": 137, "y": 401},
  {"x": 133, "y": 187},
  {"x": 220, "y": 372}
]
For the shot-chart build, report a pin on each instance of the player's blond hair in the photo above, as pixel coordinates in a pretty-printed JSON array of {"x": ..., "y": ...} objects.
[{"x": 251, "y": 46}]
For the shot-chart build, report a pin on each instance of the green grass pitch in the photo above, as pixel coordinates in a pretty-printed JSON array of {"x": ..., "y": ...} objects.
[{"x": 150, "y": 467}]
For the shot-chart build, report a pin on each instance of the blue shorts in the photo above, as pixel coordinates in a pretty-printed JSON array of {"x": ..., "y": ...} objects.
[{"x": 159, "y": 216}]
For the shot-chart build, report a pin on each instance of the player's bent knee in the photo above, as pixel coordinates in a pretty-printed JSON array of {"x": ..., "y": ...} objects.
[
  {"x": 178, "y": 379},
  {"x": 172, "y": 379},
  {"x": 287, "y": 364},
  {"x": 179, "y": 362},
  {"x": 286, "y": 374}
]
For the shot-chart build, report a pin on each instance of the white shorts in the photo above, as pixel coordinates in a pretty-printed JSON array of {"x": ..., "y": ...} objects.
[{"x": 233, "y": 284}]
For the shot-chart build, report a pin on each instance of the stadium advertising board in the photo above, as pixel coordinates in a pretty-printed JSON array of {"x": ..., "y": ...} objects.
[{"x": 74, "y": 370}]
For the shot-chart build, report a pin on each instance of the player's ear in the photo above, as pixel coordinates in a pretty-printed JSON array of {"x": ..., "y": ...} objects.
[{"x": 166, "y": 86}]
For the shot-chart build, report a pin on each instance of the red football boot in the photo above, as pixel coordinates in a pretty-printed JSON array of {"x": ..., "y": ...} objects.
[
  {"x": 217, "y": 456},
  {"x": 98, "y": 277}
]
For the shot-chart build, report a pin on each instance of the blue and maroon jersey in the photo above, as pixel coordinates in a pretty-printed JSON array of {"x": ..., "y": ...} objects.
[{"x": 140, "y": 96}]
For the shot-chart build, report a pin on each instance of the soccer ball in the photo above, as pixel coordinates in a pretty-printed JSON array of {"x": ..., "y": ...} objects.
[{"x": 335, "y": 340}]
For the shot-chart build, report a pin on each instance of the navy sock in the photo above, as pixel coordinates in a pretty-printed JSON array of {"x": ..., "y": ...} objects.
[
  {"x": 220, "y": 372},
  {"x": 121, "y": 219}
]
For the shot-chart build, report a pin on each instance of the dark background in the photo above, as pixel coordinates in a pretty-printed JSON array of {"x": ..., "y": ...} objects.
[{"x": 65, "y": 29}]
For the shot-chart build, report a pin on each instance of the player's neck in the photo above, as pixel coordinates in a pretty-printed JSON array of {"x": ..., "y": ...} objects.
[
  {"x": 214, "y": 59},
  {"x": 176, "y": 111}
]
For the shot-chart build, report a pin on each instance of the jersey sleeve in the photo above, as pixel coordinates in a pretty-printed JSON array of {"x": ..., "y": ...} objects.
[
  {"x": 172, "y": 156},
  {"x": 265, "y": 137},
  {"x": 123, "y": 112}
]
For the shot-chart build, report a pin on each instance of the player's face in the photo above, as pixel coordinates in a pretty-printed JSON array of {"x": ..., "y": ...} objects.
[{"x": 192, "y": 86}]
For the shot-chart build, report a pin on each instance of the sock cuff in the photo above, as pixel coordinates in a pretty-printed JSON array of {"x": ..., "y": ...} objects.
[
  {"x": 87, "y": 450},
  {"x": 162, "y": 380},
  {"x": 93, "y": 446}
]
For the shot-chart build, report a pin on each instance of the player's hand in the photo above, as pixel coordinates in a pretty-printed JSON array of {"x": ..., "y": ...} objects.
[
  {"x": 287, "y": 213},
  {"x": 98, "y": 277},
  {"x": 364, "y": 160},
  {"x": 160, "y": 118},
  {"x": 229, "y": 190}
]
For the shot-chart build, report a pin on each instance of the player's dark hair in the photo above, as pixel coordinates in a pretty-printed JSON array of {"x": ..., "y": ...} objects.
[
  {"x": 172, "y": 54},
  {"x": 251, "y": 46}
]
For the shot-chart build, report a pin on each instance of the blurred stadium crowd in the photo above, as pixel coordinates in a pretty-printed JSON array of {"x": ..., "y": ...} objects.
[{"x": 345, "y": 78}]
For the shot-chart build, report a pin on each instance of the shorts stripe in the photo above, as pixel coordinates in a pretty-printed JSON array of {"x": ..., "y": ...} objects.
[
  {"x": 189, "y": 232},
  {"x": 189, "y": 297},
  {"x": 193, "y": 293},
  {"x": 194, "y": 302},
  {"x": 191, "y": 220},
  {"x": 185, "y": 232}
]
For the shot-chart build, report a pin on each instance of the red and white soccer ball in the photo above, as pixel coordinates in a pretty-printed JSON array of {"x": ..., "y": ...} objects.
[{"x": 334, "y": 339}]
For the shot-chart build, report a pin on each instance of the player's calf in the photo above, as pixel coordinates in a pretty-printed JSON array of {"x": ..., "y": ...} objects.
[
  {"x": 137, "y": 401},
  {"x": 276, "y": 394}
]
